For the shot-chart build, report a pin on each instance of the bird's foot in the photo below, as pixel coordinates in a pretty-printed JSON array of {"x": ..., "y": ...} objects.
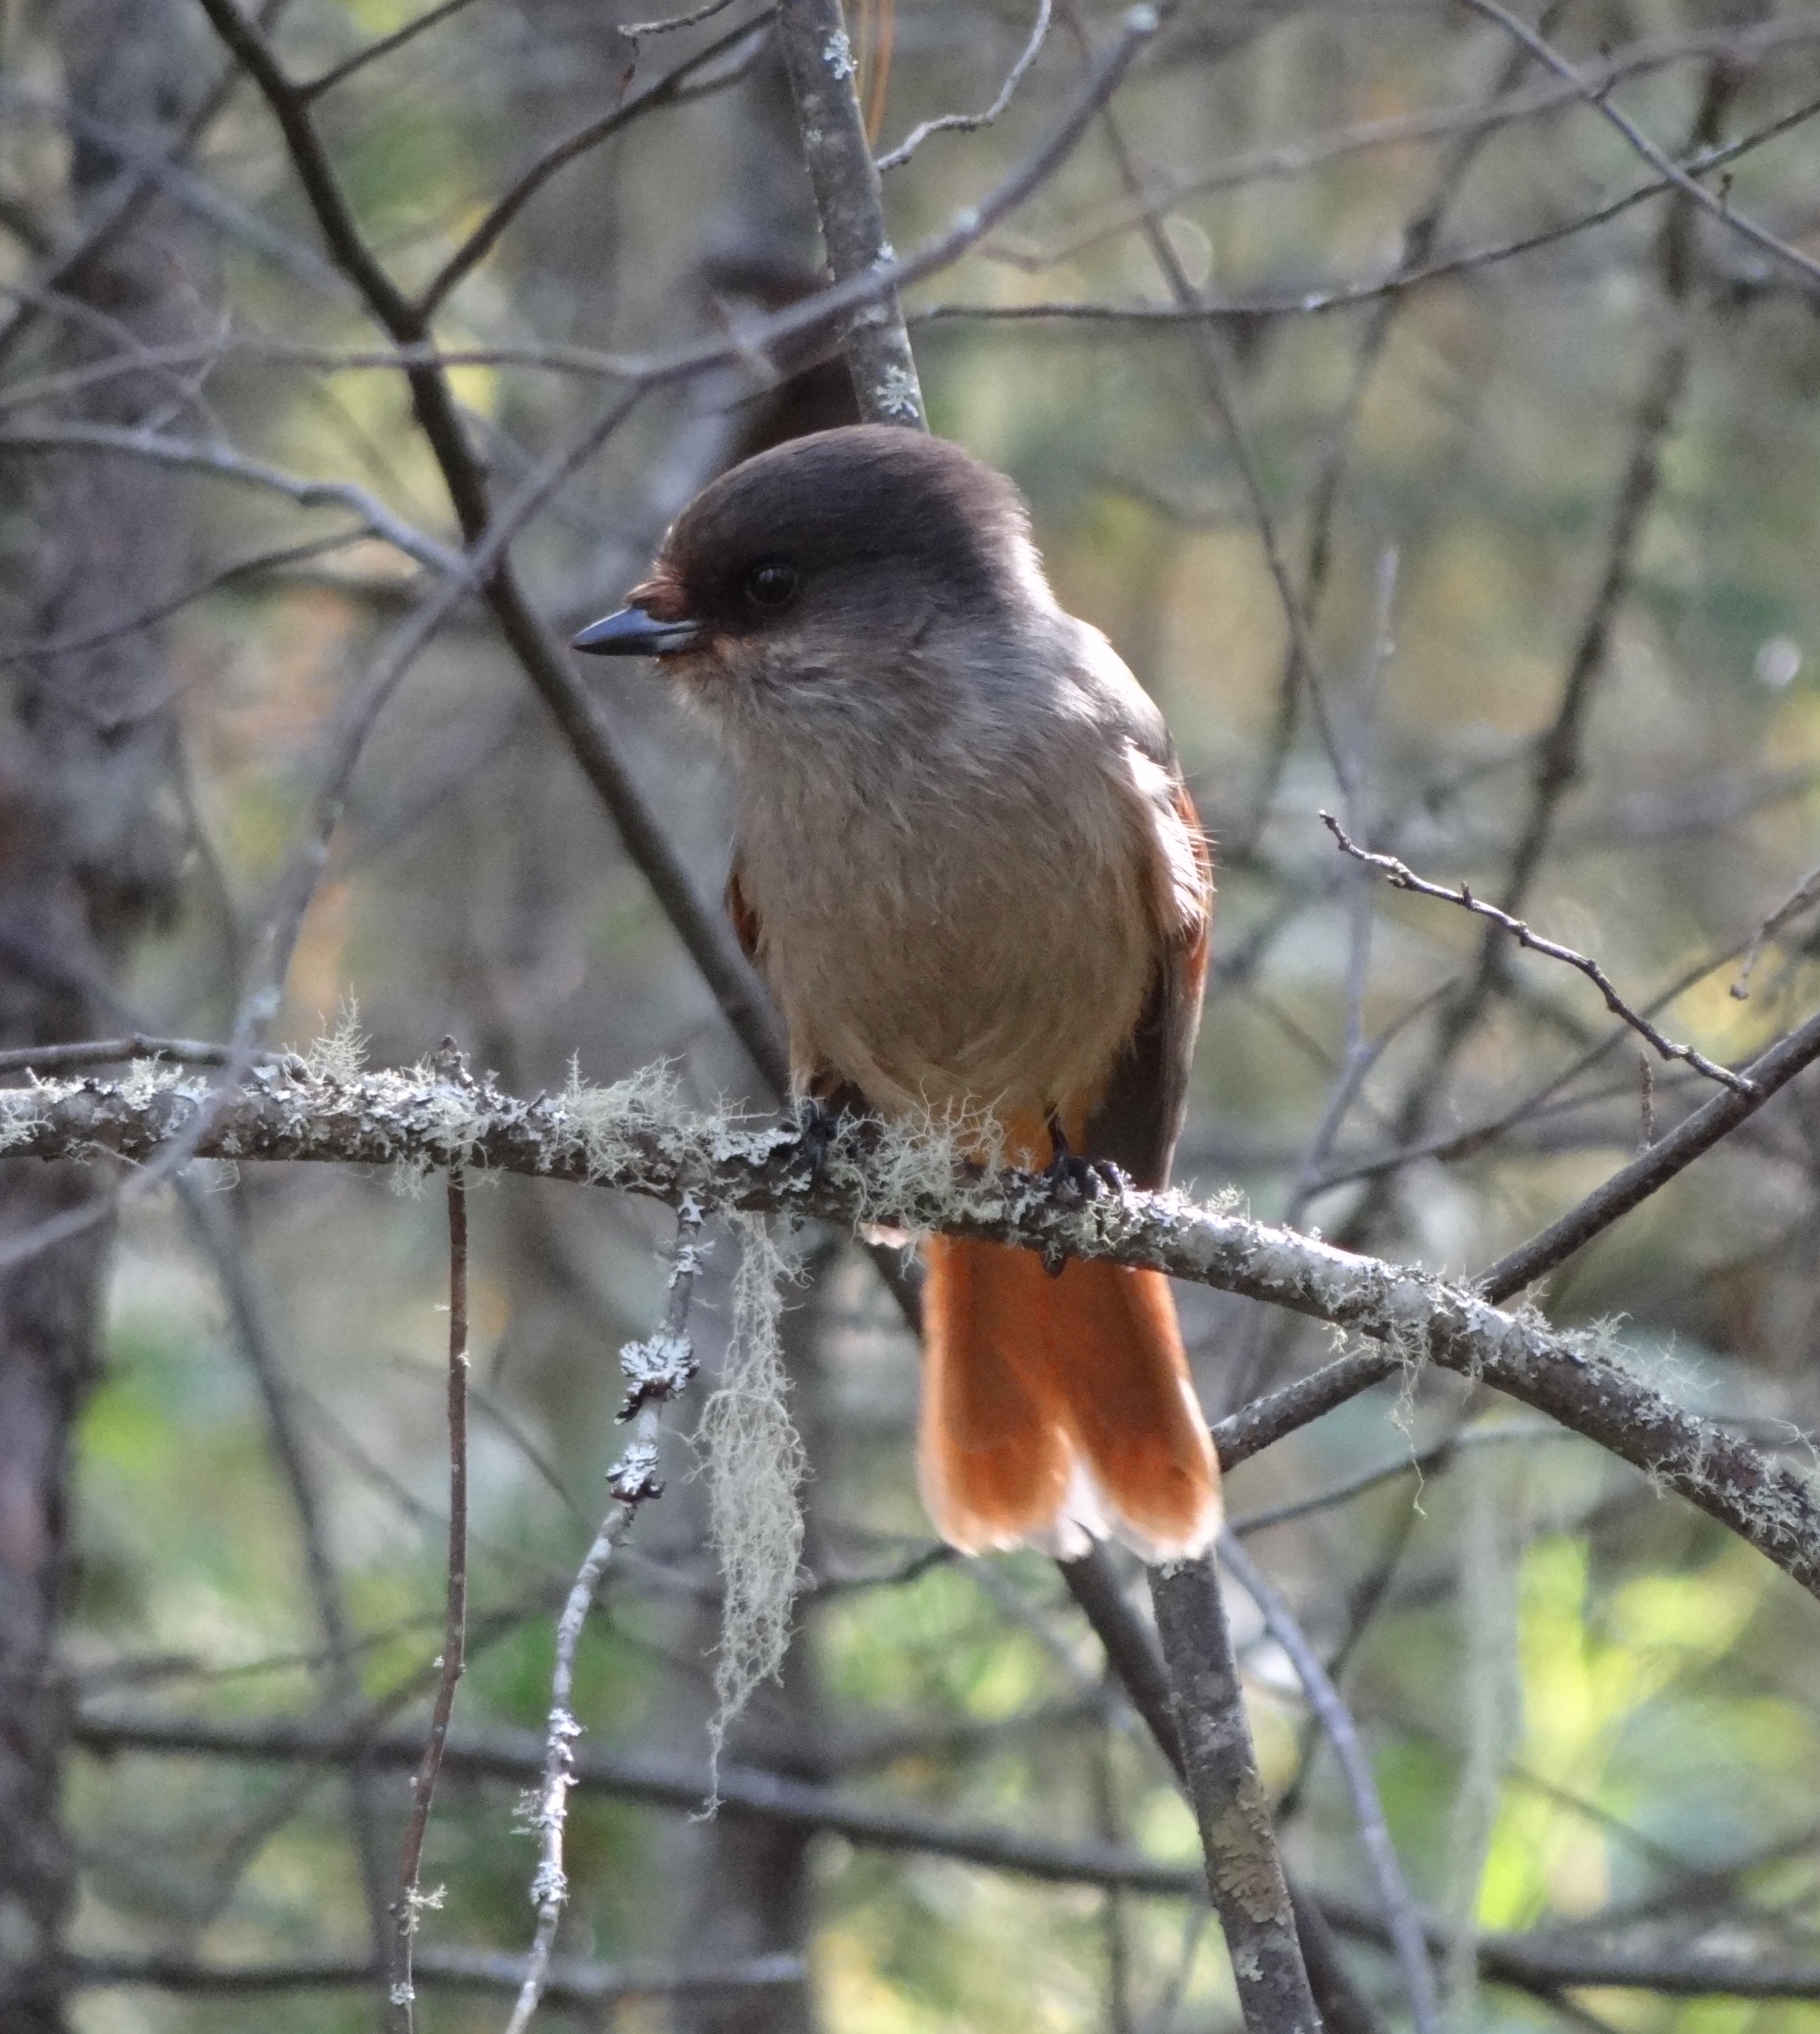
[
  {"x": 1073, "y": 1180},
  {"x": 821, "y": 1124}
]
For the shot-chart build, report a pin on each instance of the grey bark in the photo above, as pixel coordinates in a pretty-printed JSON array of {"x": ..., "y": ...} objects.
[{"x": 86, "y": 865}]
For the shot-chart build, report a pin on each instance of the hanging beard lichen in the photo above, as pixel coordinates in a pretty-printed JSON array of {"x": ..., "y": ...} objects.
[{"x": 753, "y": 1458}]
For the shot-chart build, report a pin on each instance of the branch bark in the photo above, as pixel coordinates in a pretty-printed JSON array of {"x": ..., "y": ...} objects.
[{"x": 608, "y": 1138}]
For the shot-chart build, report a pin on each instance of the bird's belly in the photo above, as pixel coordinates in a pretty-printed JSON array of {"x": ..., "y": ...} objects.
[{"x": 981, "y": 979}]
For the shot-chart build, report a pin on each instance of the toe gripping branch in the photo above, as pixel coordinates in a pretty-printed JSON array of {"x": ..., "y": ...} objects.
[{"x": 1072, "y": 1181}]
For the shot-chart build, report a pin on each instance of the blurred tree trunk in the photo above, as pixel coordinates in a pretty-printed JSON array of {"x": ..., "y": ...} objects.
[{"x": 87, "y": 865}]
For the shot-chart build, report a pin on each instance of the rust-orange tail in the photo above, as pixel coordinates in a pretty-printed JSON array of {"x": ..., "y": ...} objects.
[{"x": 1055, "y": 1408}]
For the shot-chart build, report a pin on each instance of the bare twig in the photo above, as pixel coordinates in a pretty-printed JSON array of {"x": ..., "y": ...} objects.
[
  {"x": 411, "y": 1898},
  {"x": 337, "y": 1668},
  {"x": 656, "y": 1371},
  {"x": 1303, "y": 671},
  {"x": 1401, "y": 877},
  {"x": 636, "y": 31},
  {"x": 266, "y": 560},
  {"x": 1401, "y": 1917},
  {"x": 968, "y": 123},
  {"x": 1738, "y": 47},
  {"x": 1804, "y": 896},
  {"x": 109, "y": 1052},
  {"x": 228, "y": 464},
  {"x": 1314, "y": 302},
  {"x": 1501, "y": 1433},
  {"x": 383, "y": 45},
  {"x": 1652, "y": 1169},
  {"x": 1598, "y": 98},
  {"x": 573, "y": 1983},
  {"x": 673, "y": 88}
]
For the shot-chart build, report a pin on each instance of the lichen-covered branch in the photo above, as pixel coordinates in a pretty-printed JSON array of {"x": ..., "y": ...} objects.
[
  {"x": 850, "y": 204},
  {"x": 635, "y": 1139}
]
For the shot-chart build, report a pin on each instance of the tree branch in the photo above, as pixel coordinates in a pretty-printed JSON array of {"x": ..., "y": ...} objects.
[{"x": 619, "y": 1139}]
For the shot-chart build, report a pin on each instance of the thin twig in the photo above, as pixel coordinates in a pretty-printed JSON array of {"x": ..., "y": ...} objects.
[
  {"x": 336, "y": 1667},
  {"x": 573, "y": 1983},
  {"x": 636, "y": 31},
  {"x": 108, "y": 1052},
  {"x": 1802, "y": 898},
  {"x": 675, "y": 88},
  {"x": 228, "y": 464},
  {"x": 412, "y": 1900},
  {"x": 1597, "y": 97},
  {"x": 1401, "y": 877},
  {"x": 1314, "y": 302},
  {"x": 969, "y": 123},
  {"x": 1651, "y": 1170},
  {"x": 1211, "y": 355},
  {"x": 1738, "y": 47},
  {"x": 267, "y": 561},
  {"x": 1394, "y": 1900},
  {"x": 433, "y": 18},
  {"x": 1501, "y": 1433},
  {"x": 656, "y": 1371}
]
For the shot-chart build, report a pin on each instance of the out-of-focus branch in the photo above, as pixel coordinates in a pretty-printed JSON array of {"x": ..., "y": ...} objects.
[
  {"x": 1598, "y": 98},
  {"x": 675, "y": 88},
  {"x": 227, "y": 464},
  {"x": 407, "y": 1912},
  {"x": 519, "y": 1758},
  {"x": 1739, "y": 47},
  {"x": 1313, "y": 303},
  {"x": 968, "y": 123},
  {"x": 572, "y": 1982},
  {"x": 1649, "y": 1173},
  {"x": 1401, "y": 1919}
]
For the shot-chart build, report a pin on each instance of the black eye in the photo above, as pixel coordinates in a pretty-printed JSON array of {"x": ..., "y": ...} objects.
[{"x": 772, "y": 587}]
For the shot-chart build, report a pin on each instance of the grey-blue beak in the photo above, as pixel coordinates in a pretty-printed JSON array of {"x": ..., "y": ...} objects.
[{"x": 632, "y": 632}]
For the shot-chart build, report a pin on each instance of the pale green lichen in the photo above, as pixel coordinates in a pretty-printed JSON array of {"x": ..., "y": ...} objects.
[
  {"x": 22, "y": 1113},
  {"x": 753, "y": 1459},
  {"x": 606, "y": 1123},
  {"x": 339, "y": 1057}
]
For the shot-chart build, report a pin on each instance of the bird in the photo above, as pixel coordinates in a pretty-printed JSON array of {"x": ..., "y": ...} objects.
[{"x": 967, "y": 867}]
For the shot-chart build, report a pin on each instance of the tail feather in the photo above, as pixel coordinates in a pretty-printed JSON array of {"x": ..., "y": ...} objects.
[{"x": 1057, "y": 1409}]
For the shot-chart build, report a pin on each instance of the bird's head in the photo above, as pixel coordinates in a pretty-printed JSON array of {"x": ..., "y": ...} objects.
[{"x": 830, "y": 557}]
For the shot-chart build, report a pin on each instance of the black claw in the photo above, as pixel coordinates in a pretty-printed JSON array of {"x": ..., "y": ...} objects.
[
  {"x": 820, "y": 1124},
  {"x": 1072, "y": 1178}
]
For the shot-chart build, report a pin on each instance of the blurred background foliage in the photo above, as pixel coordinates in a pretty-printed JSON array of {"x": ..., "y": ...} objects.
[{"x": 1587, "y": 1709}]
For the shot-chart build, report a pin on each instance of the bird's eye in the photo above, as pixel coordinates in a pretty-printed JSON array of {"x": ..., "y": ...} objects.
[{"x": 772, "y": 587}]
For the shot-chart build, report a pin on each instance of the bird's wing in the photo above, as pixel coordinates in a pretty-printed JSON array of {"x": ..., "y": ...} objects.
[
  {"x": 1137, "y": 1120},
  {"x": 739, "y": 909}
]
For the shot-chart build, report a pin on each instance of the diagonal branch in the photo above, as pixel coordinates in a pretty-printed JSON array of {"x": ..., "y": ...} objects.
[
  {"x": 1401, "y": 877},
  {"x": 1659, "y": 160}
]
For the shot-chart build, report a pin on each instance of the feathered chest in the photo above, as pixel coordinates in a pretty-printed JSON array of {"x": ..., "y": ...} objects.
[{"x": 953, "y": 920}]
